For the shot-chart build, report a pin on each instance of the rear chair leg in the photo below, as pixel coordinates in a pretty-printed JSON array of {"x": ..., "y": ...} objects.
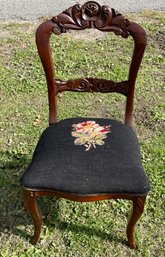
[
  {"x": 138, "y": 207},
  {"x": 29, "y": 199}
]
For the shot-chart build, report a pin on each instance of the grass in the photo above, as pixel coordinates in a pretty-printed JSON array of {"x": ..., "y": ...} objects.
[{"x": 79, "y": 229}]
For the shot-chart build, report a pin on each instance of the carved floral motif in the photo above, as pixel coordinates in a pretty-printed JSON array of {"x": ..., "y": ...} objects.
[{"x": 92, "y": 15}]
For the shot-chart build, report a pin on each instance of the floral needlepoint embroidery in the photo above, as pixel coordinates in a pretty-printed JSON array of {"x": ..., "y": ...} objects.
[{"x": 89, "y": 134}]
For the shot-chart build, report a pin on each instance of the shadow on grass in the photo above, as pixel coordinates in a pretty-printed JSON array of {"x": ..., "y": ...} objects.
[
  {"x": 65, "y": 226},
  {"x": 75, "y": 228},
  {"x": 13, "y": 214}
]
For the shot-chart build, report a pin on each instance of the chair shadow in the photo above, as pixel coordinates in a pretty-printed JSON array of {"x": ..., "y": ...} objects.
[
  {"x": 62, "y": 225},
  {"x": 13, "y": 215}
]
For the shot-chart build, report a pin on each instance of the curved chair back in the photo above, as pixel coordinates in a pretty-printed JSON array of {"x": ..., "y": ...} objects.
[{"x": 105, "y": 19}]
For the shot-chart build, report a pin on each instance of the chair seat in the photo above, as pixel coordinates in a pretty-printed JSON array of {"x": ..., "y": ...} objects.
[{"x": 87, "y": 156}]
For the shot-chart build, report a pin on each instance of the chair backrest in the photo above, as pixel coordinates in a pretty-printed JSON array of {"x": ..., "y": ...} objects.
[{"x": 103, "y": 18}]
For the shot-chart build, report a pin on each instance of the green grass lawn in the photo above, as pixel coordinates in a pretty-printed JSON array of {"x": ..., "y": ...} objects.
[{"x": 70, "y": 228}]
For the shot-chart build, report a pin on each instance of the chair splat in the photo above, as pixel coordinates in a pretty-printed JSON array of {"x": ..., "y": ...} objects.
[{"x": 91, "y": 85}]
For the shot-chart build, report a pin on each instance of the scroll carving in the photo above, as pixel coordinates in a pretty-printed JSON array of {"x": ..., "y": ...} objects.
[
  {"x": 91, "y": 85},
  {"x": 92, "y": 15}
]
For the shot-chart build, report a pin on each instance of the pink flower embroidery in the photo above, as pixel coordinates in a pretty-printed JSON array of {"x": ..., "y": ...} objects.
[{"x": 89, "y": 134}]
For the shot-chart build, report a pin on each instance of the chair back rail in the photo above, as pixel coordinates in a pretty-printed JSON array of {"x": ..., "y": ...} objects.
[{"x": 103, "y": 18}]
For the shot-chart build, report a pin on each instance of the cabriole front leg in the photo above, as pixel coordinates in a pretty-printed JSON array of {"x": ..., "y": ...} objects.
[
  {"x": 29, "y": 199},
  {"x": 138, "y": 207}
]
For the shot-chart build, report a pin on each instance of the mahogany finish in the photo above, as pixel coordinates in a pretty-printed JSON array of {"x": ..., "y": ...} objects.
[
  {"x": 103, "y": 18},
  {"x": 30, "y": 196},
  {"x": 92, "y": 85}
]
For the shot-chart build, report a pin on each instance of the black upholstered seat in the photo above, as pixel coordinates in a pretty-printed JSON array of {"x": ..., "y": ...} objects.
[{"x": 113, "y": 167}]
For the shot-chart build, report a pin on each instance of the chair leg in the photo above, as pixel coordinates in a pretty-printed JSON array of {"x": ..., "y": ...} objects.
[
  {"x": 138, "y": 207},
  {"x": 29, "y": 199}
]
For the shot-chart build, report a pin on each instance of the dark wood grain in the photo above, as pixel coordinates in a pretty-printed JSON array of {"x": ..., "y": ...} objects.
[
  {"x": 90, "y": 15},
  {"x": 91, "y": 85}
]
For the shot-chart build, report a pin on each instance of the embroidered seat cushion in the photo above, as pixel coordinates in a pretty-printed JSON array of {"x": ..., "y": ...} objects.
[{"x": 87, "y": 156}]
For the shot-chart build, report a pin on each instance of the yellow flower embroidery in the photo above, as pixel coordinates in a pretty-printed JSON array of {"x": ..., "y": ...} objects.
[{"x": 89, "y": 134}]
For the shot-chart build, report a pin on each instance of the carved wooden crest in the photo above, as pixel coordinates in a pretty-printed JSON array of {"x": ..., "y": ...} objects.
[{"x": 92, "y": 15}]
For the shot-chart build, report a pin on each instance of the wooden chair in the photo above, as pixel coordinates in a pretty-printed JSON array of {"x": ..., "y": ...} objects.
[{"x": 88, "y": 159}]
